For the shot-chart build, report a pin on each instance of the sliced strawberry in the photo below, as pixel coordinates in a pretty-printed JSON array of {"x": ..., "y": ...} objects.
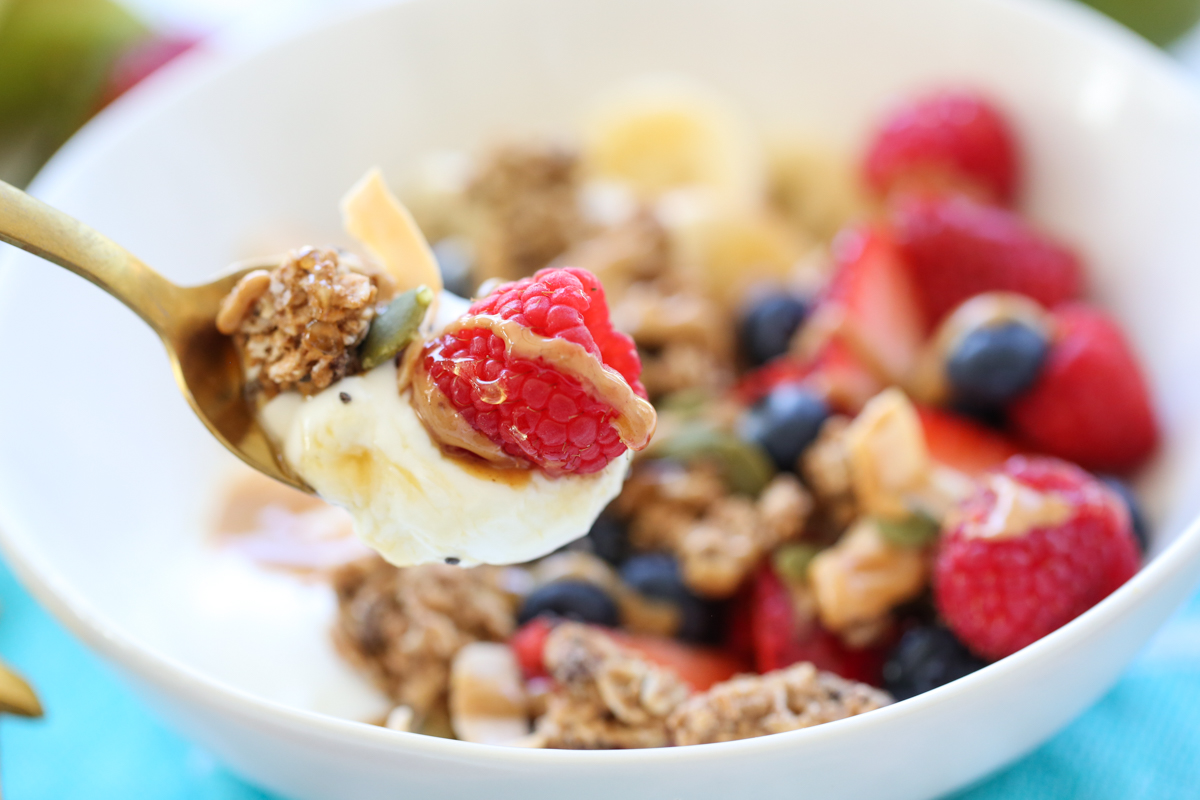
[
  {"x": 781, "y": 640},
  {"x": 1091, "y": 404},
  {"x": 871, "y": 304},
  {"x": 758, "y": 383},
  {"x": 843, "y": 378},
  {"x": 957, "y": 248},
  {"x": 967, "y": 446},
  {"x": 529, "y": 646},
  {"x": 699, "y": 667}
]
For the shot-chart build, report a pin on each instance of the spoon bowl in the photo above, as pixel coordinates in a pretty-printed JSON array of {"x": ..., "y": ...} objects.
[{"x": 204, "y": 361}]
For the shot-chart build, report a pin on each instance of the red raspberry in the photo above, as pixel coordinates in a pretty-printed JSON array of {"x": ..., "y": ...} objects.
[
  {"x": 569, "y": 304},
  {"x": 531, "y": 408},
  {"x": 1090, "y": 403},
  {"x": 946, "y": 139},
  {"x": 1001, "y": 594},
  {"x": 958, "y": 248}
]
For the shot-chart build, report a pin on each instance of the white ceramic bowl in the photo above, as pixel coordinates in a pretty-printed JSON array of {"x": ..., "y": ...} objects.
[{"x": 106, "y": 481}]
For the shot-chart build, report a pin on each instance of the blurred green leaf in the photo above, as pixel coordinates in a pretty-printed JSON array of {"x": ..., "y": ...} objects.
[
  {"x": 1160, "y": 21},
  {"x": 55, "y": 56}
]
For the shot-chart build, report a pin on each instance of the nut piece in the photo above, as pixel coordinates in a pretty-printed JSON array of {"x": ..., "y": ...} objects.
[
  {"x": 236, "y": 305},
  {"x": 888, "y": 458},
  {"x": 301, "y": 333},
  {"x": 487, "y": 695},
  {"x": 524, "y": 198},
  {"x": 402, "y": 627},
  {"x": 606, "y": 696},
  {"x": 399, "y": 718},
  {"x": 755, "y": 705},
  {"x": 863, "y": 577}
]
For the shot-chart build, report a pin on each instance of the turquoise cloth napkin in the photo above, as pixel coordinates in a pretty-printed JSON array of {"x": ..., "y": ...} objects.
[{"x": 98, "y": 742}]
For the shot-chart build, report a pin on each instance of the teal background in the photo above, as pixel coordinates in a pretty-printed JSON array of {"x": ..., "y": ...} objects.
[{"x": 97, "y": 741}]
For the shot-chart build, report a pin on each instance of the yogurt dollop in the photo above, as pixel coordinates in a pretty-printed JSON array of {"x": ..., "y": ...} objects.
[{"x": 413, "y": 503}]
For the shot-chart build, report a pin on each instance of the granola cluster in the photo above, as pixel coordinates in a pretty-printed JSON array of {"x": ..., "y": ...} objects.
[
  {"x": 301, "y": 332},
  {"x": 755, "y": 705},
  {"x": 605, "y": 697},
  {"x": 523, "y": 199},
  {"x": 718, "y": 536},
  {"x": 403, "y": 627}
]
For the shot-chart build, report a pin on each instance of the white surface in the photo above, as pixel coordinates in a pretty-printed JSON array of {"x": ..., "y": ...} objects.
[
  {"x": 410, "y": 501},
  {"x": 106, "y": 479}
]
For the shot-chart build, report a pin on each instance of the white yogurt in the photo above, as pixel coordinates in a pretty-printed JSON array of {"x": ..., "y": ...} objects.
[{"x": 373, "y": 456}]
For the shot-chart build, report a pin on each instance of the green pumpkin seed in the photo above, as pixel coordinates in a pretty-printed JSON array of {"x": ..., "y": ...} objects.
[
  {"x": 913, "y": 532},
  {"x": 791, "y": 561},
  {"x": 392, "y": 330},
  {"x": 746, "y": 468}
]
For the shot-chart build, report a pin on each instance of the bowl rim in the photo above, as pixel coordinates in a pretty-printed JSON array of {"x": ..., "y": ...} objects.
[{"x": 208, "y": 63}]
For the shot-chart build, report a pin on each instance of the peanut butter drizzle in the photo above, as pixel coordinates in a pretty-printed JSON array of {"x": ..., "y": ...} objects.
[
  {"x": 444, "y": 422},
  {"x": 1019, "y": 509},
  {"x": 636, "y": 418}
]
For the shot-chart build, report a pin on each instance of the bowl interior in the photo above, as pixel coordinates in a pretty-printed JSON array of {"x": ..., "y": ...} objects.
[{"x": 107, "y": 481}]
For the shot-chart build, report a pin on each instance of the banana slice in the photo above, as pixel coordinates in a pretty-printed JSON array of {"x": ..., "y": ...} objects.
[
  {"x": 665, "y": 133},
  {"x": 730, "y": 250},
  {"x": 814, "y": 184}
]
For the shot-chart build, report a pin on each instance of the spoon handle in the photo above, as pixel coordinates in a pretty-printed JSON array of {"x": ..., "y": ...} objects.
[{"x": 31, "y": 225}]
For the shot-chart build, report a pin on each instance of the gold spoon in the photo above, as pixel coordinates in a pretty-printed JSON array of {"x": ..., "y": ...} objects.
[
  {"x": 204, "y": 361},
  {"x": 17, "y": 696}
]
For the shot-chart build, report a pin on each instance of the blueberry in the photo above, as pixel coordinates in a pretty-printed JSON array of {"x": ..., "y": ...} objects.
[
  {"x": 453, "y": 255},
  {"x": 609, "y": 539},
  {"x": 785, "y": 423},
  {"x": 995, "y": 364},
  {"x": 766, "y": 328},
  {"x": 577, "y": 600},
  {"x": 656, "y": 575},
  {"x": 927, "y": 657},
  {"x": 1141, "y": 530}
]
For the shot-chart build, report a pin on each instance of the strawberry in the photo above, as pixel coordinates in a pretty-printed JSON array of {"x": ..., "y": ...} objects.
[
  {"x": 946, "y": 139},
  {"x": 843, "y": 378},
  {"x": 962, "y": 444},
  {"x": 1090, "y": 404},
  {"x": 871, "y": 303},
  {"x": 1039, "y": 543},
  {"x": 699, "y": 667},
  {"x": 758, "y": 383},
  {"x": 780, "y": 639},
  {"x": 529, "y": 646},
  {"x": 957, "y": 248}
]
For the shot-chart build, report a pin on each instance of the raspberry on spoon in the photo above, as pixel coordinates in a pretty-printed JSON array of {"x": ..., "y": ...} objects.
[{"x": 535, "y": 375}]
